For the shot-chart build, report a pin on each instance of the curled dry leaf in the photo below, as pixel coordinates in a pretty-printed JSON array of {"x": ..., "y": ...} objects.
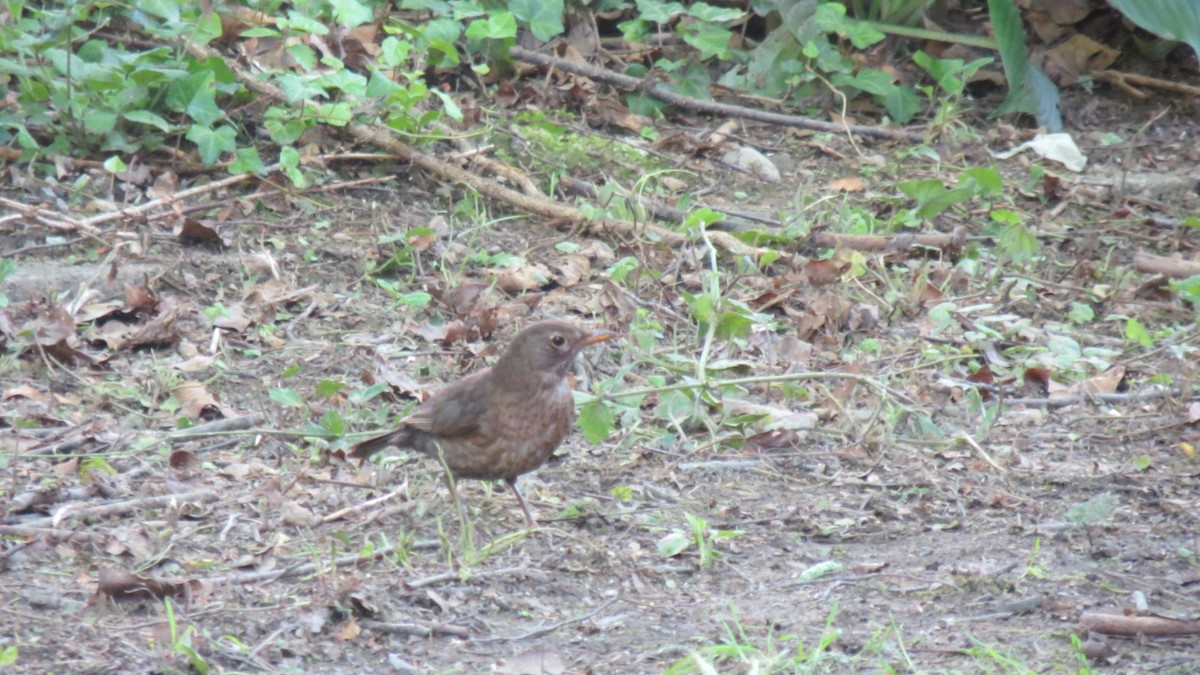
[
  {"x": 293, "y": 513},
  {"x": 522, "y": 278},
  {"x": 234, "y": 318},
  {"x": 192, "y": 231},
  {"x": 119, "y": 584},
  {"x": 847, "y": 184},
  {"x": 196, "y": 401},
  {"x": 571, "y": 270},
  {"x": 138, "y": 300}
]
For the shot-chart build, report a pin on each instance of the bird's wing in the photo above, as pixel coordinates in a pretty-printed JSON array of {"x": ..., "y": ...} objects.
[{"x": 455, "y": 410}]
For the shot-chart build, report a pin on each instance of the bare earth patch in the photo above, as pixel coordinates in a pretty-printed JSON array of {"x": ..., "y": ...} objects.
[{"x": 838, "y": 526}]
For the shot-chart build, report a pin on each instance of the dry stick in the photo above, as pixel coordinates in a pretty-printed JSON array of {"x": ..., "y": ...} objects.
[
  {"x": 653, "y": 207},
  {"x": 869, "y": 242},
  {"x": 122, "y": 508},
  {"x": 546, "y": 630},
  {"x": 711, "y": 107},
  {"x": 384, "y": 137},
  {"x": 762, "y": 379},
  {"x": 455, "y": 576},
  {"x": 1116, "y": 622},
  {"x": 162, "y": 202},
  {"x": 51, "y": 219},
  {"x": 417, "y": 628},
  {"x": 50, "y": 533},
  {"x": 966, "y": 438},
  {"x": 1132, "y": 397},
  {"x": 218, "y": 427},
  {"x": 304, "y": 569},
  {"x": 1171, "y": 267},
  {"x": 338, "y": 515},
  {"x": 1125, "y": 81}
]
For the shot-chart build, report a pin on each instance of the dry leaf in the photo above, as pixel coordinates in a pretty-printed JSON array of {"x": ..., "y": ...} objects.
[{"x": 848, "y": 184}]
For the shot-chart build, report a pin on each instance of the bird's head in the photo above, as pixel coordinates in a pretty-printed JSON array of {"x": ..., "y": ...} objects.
[{"x": 548, "y": 348}]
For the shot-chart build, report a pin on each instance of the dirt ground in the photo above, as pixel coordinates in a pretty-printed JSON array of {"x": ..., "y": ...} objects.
[{"x": 885, "y": 524}]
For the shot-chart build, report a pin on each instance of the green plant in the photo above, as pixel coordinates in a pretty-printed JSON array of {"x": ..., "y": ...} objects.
[
  {"x": 9, "y": 655},
  {"x": 773, "y": 653},
  {"x": 700, "y": 535},
  {"x": 181, "y": 641}
]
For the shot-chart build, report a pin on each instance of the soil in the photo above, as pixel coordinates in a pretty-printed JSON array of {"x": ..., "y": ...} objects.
[{"x": 850, "y": 528}]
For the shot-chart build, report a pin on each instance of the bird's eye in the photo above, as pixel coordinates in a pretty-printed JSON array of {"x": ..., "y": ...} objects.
[{"x": 558, "y": 340}]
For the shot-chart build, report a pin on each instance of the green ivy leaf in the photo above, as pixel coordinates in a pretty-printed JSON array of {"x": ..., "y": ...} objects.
[
  {"x": 596, "y": 421},
  {"x": 210, "y": 143},
  {"x": 543, "y": 18},
  {"x": 333, "y": 423},
  {"x": 1094, "y": 510},
  {"x": 673, "y": 544},
  {"x": 148, "y": 118},
  {"x": 351, "y": 13},
  {"x": 327, "y": 388},
  {"x": 1134, "y": 330},
  {"x": 247, "y": 161},
  {"x": 286, "y": 397}
]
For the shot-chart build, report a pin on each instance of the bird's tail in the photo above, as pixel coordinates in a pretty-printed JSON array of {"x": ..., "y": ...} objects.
[{"x": 365, "y": 449}]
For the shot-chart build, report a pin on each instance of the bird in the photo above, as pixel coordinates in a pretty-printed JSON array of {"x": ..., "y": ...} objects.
[{"x": 503, "y": 421}]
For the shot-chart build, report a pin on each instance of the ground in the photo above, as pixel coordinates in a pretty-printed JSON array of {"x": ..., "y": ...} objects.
[{"x": 921, "y": 518}]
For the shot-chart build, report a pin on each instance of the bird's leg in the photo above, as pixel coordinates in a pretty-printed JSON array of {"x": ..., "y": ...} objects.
[{"x": 529, "y": 521}]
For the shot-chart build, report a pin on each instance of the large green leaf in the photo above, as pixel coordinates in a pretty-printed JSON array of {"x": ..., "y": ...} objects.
[
  {"x": 1170, "y": 19},
  {"x": 1029, "y": 90}
]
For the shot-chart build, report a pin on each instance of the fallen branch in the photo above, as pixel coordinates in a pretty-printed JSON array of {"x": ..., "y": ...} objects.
[
  {"x": 53, "y": 534},
  {"x": 338, "y": 515},
  {"x": 1117, "y": 622},
  {"x": 218, "y": 427},
  {"x": 1169, "y": 267},
  {"x": 455, "y": 576},
  {"x": 121, "y": 508},
  {"x": 546, "y": 630},
  {"x": 710, "y": 107},
  {"x": 305, "y": 569},
  {"x": 1126, "y": 82},
  {"x": 417, "y": 628},
  {"x": 383, "y": 137},
  {"x": 899, "y": 242}
]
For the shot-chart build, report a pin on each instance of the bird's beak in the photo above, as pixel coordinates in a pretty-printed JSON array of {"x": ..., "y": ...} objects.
[{"x": 598, "y": 336}]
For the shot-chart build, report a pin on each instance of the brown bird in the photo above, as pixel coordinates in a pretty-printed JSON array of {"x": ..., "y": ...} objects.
[{"x": 502, "y": 421}]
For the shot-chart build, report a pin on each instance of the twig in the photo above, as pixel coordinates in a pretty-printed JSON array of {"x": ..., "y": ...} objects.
[
  {"x": 711, "y": 107},
  {"x": 386, "y": 138},
  {"x": 1131, "y": 397},
  {"x": 122, "y": 508},
  {"x": 304, "y": 569},
  {"x": 417, "y": 628},
  {"x": 53, "y": 534},
  {"x": 217, "y": 427},
  {"x": 757, "y": 379},
  {"x": 966, "y": 438},
  {"x": 455, "y": 576},
  {"x": 545, "y": 630},
  {"x": 338, "y": 515}
]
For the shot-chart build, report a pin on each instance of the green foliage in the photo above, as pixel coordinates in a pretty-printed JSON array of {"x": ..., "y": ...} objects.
[
  {"x": 86, "y": 95},
  {"x": 1177, "y": 20},
  {"x": 698, "y": 534},
  {"x": 596, "y": 420},
  {"x": 933, "y": 197},
  {"x": 1029, "y": 90}
]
